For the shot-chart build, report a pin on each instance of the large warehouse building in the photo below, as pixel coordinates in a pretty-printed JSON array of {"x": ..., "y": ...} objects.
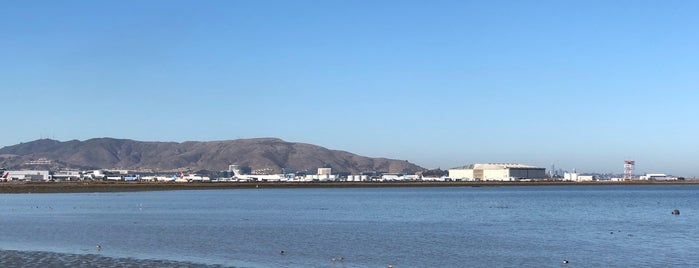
[
  {"x": 25, "y": 175},
  {"x": 496, "y": 172}
]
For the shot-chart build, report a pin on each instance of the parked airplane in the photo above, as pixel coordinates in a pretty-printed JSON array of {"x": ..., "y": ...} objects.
[
  {"x": 190, "y": 178},
  {"x": 240, "y": 177},
  {"x": 165, "y": 178},
  {"x": 94, "y": 174}
]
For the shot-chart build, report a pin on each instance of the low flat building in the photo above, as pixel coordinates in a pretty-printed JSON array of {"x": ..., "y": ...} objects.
[
  {"x": 576, "y": 177},
  {"x": 357, "y": 178},
  {"x": 325, "y": 177},
  {"x": 27, "y": 175},
  {"x": 66, "y": 175},
  {"x": 325, "y": 171},
  {"x": 496, "y": 172},
  {"x": 658, "y": 177}
]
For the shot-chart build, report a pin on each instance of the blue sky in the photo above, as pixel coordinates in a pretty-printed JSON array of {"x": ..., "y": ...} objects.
[{"x": 580, "y": 84}]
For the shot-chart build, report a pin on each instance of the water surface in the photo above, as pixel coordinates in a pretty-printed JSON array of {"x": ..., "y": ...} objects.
[{"x": 513, "y": 226}]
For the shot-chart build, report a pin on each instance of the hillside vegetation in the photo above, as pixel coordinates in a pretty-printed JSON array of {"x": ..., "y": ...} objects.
[{"x": 263, "y": 153}]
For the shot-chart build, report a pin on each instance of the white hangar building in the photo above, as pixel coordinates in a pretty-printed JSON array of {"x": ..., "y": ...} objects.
[
  {"x": 496, "y": 172},
  {"x": 26, "y": 175}
]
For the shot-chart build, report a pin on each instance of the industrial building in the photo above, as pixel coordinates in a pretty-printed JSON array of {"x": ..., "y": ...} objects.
[
  {"x": 325, "y": 171},
  {"x": 26, "y": 175},
  {"x": 574, "y": 176},
  {"x": 496, "y": 172},
  {"x": 67, "y": 175},
  {"x": 658, "y": 177}
]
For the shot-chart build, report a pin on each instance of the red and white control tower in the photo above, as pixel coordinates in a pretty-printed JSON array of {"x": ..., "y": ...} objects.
[{"x": 628, "y": 169}]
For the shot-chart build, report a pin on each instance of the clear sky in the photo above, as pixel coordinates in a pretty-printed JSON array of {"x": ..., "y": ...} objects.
[{"x": 580, "y": 84}]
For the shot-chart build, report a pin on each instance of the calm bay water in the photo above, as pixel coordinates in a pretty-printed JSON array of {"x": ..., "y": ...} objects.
[{"x": 528, "y": 226}]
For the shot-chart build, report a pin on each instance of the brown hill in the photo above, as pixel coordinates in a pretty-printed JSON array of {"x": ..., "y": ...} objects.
[{"x": 264, "y": 153}]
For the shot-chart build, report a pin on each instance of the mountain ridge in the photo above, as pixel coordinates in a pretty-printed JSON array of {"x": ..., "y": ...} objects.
[{"x": 272, "y": 154}]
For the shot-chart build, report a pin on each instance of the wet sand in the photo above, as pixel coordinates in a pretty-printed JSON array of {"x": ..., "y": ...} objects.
[
  {"x": 101, "y": 186},
  {"x": 14, "y": 258}
]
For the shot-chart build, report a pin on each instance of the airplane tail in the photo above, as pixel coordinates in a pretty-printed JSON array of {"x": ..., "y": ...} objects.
[{"x": 4, "y": 176}]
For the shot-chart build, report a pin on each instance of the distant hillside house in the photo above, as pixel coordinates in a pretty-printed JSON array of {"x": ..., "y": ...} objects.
[{"x": 496, "y": 172}]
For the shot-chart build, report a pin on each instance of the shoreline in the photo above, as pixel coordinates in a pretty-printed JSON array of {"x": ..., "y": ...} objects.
[
  {"x": 100, "y": 186},
  {"x": 36, "y": 258}
]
